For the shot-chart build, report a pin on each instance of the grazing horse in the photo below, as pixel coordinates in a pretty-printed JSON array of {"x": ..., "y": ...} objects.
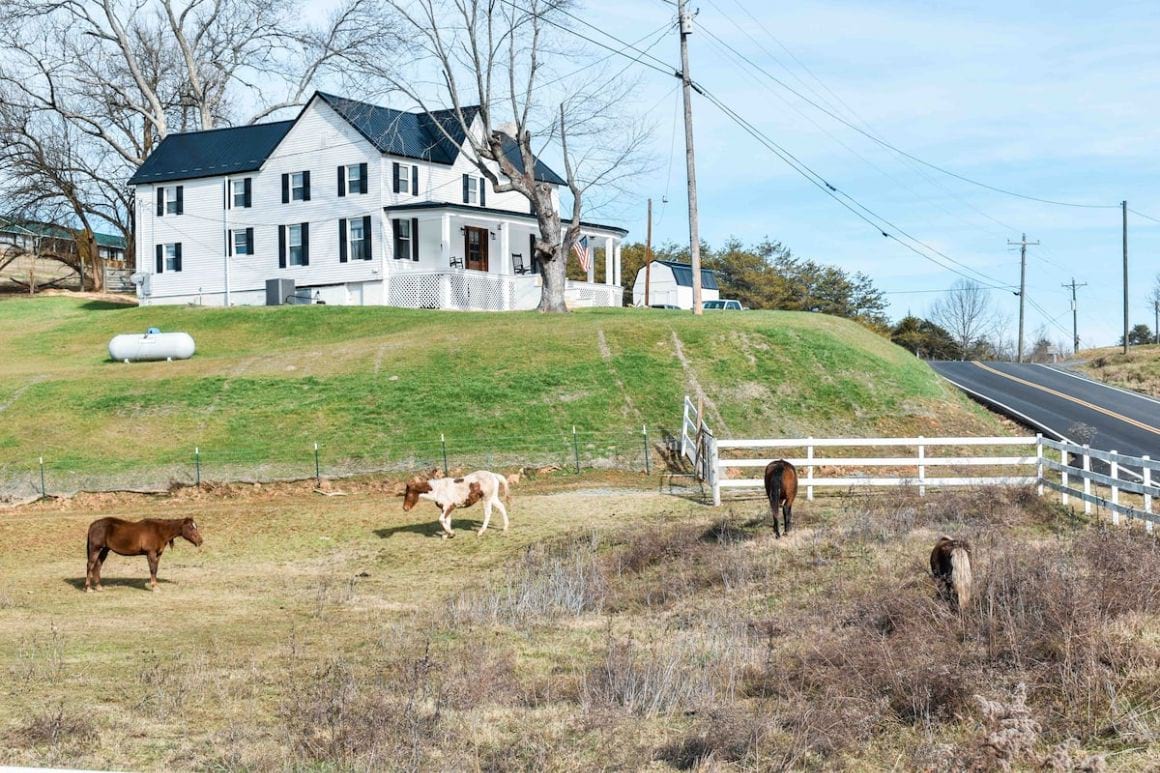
[
  {"x": 450, "y": 493},
  {"x": 950, "y": 563},
  {"x": 781, "y": 488},
  {"x": 134, "y": 538}
]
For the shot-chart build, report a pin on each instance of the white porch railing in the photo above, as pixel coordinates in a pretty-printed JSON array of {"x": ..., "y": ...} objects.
[
  {"x": 468, "y": 290},
  {"x": 703, "y": 450}
]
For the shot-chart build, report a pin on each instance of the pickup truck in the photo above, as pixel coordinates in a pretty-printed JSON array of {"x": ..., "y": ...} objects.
[{"x": 723, "y": 304}]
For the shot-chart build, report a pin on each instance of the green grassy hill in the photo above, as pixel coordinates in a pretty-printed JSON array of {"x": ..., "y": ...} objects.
[{"x": 383, "y": 384}]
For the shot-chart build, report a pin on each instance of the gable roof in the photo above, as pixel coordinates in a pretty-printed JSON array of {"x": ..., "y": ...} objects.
[
  {"x": 36, "y": 228},
  {"x": 418, "y": 135},
  {"x": 683, "y": 273},
  {"x": 210, "y": 153}
]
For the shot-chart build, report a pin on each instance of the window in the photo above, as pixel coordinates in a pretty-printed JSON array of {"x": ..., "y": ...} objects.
[
  {"x": 354, "y": 178},
  {"x": 168, "y": 258},
  {"x": 295, "y": 187},
  {"x": 406, "y": 238},
  {"x": 170, "y": 201},
  {"x": 243, "y": 241},
  {"x": 240, "y": 193},
  {"x": 472, "y": 190},
  {"x": 294, "y": 242},
  {"x": 406, "y": 178},
  {"x": 358, "y": 241}
]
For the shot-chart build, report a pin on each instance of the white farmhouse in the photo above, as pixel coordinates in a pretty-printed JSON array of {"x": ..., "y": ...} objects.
[
  {"x": 354, "y": 204},
  {"x": 671, "y": 284}
]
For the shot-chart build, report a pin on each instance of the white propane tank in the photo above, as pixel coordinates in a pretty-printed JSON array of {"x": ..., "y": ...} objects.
[{"x": 154, "y": 345}]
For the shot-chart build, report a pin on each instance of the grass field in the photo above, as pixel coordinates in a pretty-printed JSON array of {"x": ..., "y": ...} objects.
[
  {"x": 613, "y": 627},
  {"x": 380, "y": 383},
  {"x": 1138, "y": 370}
]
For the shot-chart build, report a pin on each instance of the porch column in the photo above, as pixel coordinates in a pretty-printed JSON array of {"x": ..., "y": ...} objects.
[
  {"x": 617, "y": 279},
  {"x": 505, "y": 249},
  {"x": 445, "y": 240},
  {"x": 608, "y": 270}
]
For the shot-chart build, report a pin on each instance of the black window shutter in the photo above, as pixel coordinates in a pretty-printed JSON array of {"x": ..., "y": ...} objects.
[
  {"x": 177, "y": 257},
  {"x": 414, "y": 238},
  {"x": 306, "y": 244},
  {"x": 282, "y": 244},
  {"x": 180, "y": 199},
  {"x": 247, "y": 193},
  {"x": 306, "y": 185},
  {"x": 160, "y": 202},
  {"x": 483, "y": 191},
  {"x": 249, "y": 240},
  {"x": 395, "y": 232},
  {"x": 466, "y": 198},
  {"x": 367, "y": 240},
  {"x": 414, "y": 180},
  {"x": 341, "y": 240},
  {"x": 229, "y": 242},
  {"x": 395, "y": 169},
  {"x": 160, "y": 258},
  {"x": 285, "y": 189},
  {"x": 342, "y": 181},
  {"x": 362, "y": 176},
  {"x": 226, "y": 201}
]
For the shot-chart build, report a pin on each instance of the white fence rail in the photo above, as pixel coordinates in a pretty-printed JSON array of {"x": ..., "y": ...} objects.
[{"x": 719, "y": 460}]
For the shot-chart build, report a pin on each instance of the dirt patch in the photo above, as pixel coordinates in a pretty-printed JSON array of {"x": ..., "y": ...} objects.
[{"x": 695, "y": 386}]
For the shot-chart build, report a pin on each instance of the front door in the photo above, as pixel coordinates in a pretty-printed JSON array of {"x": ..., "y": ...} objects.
[{"x": 475, "y": 248}]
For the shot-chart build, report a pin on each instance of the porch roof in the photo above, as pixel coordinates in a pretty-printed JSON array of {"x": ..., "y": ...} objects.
[{"x": 470, "y": 209}]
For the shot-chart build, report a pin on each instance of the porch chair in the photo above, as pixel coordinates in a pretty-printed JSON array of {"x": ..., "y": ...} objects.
[
  {"x": 456, "y": 262},
  {"x": 518, "y": 263}
]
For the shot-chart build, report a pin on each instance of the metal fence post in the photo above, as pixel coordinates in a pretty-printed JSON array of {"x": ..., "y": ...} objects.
[
  {"x": 1087, "y": 482},
  {"x": 443, "y": 449},
  {"x": 1147, "y": 496},
  {"x": 43, "y": 488},
  {"x": 576, "y": 448},
  {"x": 1115, "y": 489},
  {"x": 197, "y": 466},
  {"x": 644, "y": 432},
  {"x": 1063, "y": 459},
  {"x": 921, "y": 468},
  {"x": 810, "y": 470},
  {"x": 317, "y": 466},
  {"x": 1039, "y": 461}
]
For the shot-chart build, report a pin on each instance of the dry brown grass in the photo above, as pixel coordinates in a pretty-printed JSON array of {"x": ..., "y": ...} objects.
[{"x": 639, "y": 631}]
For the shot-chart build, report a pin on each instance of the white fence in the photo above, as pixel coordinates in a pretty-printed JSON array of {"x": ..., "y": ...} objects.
[
  {"x": 715, "y": 459},
  {"x": 468, "y": 290}
]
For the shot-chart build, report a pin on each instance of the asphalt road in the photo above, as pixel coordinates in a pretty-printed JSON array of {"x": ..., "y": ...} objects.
[{"x": 1056, "y": 403}]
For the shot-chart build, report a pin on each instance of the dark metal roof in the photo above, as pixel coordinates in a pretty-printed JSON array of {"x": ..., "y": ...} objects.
[
  {"x": 504, "y": 213},
  {"x": 37, "y": 228},
  {"x": 683, "y": 273},
  {"x": 189, "y": 155}
]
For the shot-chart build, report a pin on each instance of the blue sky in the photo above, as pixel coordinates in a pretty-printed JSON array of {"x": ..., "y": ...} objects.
[{"x": 1059, "y": 100}]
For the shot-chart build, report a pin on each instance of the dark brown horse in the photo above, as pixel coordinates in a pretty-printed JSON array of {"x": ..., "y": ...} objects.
[
  {"x": 781, "y": 488},
  {"x": 950, "y": 563},
  {"x": 147, "y": 538}
]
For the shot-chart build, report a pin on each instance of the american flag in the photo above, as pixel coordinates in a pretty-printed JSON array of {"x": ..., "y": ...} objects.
[{"x": 580, "y": 247}]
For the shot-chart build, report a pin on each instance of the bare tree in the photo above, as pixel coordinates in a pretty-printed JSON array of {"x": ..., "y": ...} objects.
[
  {"x": 499, "y": 56},
  {"x": 111, "y": 78},
  {"x": 967, "y": 314}
]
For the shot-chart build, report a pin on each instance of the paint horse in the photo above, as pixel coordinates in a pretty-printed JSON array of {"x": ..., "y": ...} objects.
[
  {"x": 147, "y": 538},
  {"x": 950, "y": 563},
  {"x": 781, "y": 488},
  {"x": 450, "y": 493}
]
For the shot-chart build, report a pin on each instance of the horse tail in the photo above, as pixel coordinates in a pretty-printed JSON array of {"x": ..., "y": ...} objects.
[
  {"x": 961, "y": 574},
  {"x": 773, "y": 489},
  {"x": 503, "y": 486}
]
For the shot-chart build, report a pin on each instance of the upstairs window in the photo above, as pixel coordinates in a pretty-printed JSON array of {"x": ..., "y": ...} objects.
[
  {"x": 352, "y": 179},
  {"x": 171, "y": 201},
  {"x": 406, "y": 178},
  {"x": 240, "y": 193},
  {"x": 474, "y": 191},
  {"x": 295, "y": 187}
]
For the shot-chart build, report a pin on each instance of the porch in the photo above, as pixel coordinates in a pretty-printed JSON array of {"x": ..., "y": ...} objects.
[{"x": 448, "y": 256}]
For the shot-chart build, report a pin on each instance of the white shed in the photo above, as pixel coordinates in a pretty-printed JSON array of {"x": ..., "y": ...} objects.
[{"x": 671, "y": 283}]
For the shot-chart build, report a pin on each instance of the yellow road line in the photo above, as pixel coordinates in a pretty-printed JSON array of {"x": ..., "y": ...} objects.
[{"x": 1076, "y": 400}]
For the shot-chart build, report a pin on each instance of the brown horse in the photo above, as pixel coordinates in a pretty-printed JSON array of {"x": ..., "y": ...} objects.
[
  {"x": 950, "y": 563},
  {"x": 147, "y": 538},
  {"x": 781, "y": 488}
]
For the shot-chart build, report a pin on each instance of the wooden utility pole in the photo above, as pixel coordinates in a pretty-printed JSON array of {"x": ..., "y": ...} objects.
[
  {"x": 1124, "y": 205},
  {"x": 686, "y": 23},
  {"x": 648, "y": 256},
  {"x": 1022, "y": 286},
  {"x": 1074, "y": 316}
]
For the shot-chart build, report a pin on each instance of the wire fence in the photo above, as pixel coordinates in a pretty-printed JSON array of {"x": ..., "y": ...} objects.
[{"x": 639, "y": 450}]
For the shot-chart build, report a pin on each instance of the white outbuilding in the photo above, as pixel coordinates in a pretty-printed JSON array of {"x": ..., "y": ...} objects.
[{"x": 671, "y": 284}]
